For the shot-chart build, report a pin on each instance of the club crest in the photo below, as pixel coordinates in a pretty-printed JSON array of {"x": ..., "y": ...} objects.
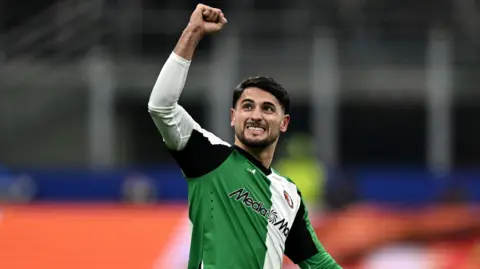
[{"x": 288, "y": 199}]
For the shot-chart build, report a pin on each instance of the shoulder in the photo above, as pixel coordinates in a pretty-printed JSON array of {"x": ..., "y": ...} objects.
[
  {"x": 203, "y": 153},
  {"x": 211, "y": 137},
  {"x": 286, "y": 179}
]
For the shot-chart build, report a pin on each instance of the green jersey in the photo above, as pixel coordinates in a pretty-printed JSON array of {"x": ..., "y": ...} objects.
[{"x": 244, "y": 215}]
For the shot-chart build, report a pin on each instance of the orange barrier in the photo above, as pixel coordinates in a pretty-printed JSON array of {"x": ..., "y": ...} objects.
[
  {"x": 82, "y": 237},
  {"x": 128, "y": 237}
]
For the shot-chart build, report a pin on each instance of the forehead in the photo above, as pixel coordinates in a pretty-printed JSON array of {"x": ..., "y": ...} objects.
[{"x": 258, "y": 96}]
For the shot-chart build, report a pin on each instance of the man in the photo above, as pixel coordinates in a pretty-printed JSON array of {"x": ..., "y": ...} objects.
[{"x": 244, "y": 214}]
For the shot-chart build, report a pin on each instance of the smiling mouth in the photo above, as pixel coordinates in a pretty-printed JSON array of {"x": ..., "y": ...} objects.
[{"x": 256, "y": 128}]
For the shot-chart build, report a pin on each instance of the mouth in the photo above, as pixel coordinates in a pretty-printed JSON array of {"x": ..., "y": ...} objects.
[{"x": 256, "y": 130}]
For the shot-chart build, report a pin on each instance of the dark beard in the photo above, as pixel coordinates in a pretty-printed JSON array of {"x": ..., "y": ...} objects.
[{"x": 257, "y": 144}]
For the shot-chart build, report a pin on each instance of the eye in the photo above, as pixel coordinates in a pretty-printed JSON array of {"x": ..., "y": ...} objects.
[
  {"x": 247, "y": 106},
  {"x": 269, "y": 109}
]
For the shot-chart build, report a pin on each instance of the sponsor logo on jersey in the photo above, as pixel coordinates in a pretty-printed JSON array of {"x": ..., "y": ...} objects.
[
  {"x": 243, "y": 195},
  {"x": 288, "y": 199}
]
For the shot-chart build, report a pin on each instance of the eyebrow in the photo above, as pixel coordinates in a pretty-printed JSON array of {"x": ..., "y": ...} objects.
[{"x": 247, "y": 100}]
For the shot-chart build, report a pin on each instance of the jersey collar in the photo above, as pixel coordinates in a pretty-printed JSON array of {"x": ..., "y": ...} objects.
[{"x": 257, "y": 163}]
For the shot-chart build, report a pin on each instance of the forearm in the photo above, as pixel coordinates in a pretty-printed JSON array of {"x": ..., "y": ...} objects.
[
  {"x": 173, "y": 75},
  {"x": 321, "y": 260},
  {"x": 188, "y": 42}
]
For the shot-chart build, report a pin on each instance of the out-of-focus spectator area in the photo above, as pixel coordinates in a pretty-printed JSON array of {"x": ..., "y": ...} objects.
[{"x": 384, "y": 141}]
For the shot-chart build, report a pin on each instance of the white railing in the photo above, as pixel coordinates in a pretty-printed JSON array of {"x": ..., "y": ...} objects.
[
  {"x": 61, "y": 28},
  {"x": 59, "y": 34}
]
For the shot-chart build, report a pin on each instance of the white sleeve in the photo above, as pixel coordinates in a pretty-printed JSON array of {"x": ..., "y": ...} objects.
[{"x": 173, "y": 122}]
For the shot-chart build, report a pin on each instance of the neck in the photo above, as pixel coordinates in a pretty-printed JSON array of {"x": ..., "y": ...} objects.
[{"x": 263, "y": 155}]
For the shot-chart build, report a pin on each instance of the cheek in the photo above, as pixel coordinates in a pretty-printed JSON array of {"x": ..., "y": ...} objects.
[
  {"x": 237, "y": 123},
  {"x": 238, "y": 120},
  {"x": 274, "y": 126}
]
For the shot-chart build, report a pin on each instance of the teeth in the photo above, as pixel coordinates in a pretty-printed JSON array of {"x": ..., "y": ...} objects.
[{"x": 256, "y": 128}]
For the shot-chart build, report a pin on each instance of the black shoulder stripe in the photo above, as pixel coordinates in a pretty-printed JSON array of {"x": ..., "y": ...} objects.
[
  {"x": 200, "y": 156},
  {"x": 300, "y": 245}
]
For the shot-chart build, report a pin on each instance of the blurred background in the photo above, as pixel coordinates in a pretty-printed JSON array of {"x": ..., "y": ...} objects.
[{"x": 384, "y": 141}]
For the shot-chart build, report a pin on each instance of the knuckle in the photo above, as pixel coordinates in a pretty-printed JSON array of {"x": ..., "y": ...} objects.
[{"x": 203, "y": 7}]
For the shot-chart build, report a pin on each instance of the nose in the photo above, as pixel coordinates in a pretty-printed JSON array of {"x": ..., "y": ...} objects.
[{"x": 256, "y": 114}]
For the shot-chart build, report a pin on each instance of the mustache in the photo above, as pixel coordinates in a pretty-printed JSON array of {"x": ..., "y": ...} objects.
[{"x": 255, "y": 124}]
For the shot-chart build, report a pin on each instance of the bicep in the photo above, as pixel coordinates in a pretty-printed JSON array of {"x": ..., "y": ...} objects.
[
  {"x": 174, "y": 124},
  {"x": 301, "y": 242}
]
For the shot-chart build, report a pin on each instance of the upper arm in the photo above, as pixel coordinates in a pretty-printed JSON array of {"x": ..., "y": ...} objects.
[
  {"x": 196, "y": 150},
  {"x": 303, "y": 247},
  {"x": 174, "y": 124}
]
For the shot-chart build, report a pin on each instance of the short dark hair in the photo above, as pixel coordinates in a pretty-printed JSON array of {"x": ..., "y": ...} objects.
[{"x": 267, "y": 84}]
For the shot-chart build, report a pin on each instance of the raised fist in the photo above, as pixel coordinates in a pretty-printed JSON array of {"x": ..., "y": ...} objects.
[{"x": 207, "y": 19}]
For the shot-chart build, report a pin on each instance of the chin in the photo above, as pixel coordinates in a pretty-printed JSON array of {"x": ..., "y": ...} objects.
[{"x": 256, "y": 143}]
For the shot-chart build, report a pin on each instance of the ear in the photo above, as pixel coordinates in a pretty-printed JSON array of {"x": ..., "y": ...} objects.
[
  {"x": 232, "y": 117},
  {"x": 284, "y": 123}
]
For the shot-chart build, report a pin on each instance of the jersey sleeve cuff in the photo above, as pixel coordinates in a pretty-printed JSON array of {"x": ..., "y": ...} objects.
[{"x": 180, "y": 59}]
